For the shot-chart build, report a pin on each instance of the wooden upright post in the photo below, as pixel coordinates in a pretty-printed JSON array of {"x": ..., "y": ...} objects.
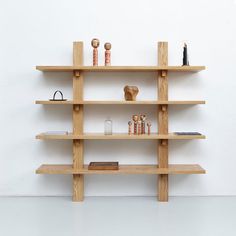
[
  {"x": 163, "y": 121},
  {"x": 78, "y": 146}
]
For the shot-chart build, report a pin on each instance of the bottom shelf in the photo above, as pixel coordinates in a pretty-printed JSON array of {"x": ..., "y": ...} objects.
[{"x": 124, "y": 169}]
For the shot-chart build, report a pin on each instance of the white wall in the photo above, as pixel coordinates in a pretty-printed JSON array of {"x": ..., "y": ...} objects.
[{"x": 41, "y": 33}]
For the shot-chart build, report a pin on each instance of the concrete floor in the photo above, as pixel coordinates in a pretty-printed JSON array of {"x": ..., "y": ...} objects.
[{"x": 113, "y": 216}]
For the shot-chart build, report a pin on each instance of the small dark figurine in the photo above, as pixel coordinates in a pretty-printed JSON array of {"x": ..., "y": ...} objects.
[
  {"x": 54, "y": 96},
  {"x": 185, "y": 56}
]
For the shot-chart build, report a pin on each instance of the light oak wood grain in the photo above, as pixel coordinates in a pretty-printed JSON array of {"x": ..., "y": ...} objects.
[
  {"x": 46, "y": 102},
  {"x": 118, "y": 136},
  {"x": 124, "y": 169},
  {"x": 162, "y": 147},
  {"x": 78, "y": 169},
  {"x": 78, "y": 147},
  {"x": 120, "y": 68}
]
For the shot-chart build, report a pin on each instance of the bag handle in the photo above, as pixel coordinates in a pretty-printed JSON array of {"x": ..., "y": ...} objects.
[{"x": 58, "y": 91}]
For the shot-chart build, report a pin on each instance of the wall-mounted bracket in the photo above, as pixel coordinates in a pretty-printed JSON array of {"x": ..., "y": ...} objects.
[
  {"x": 164, "y": 108},
  {"x": 76, "y": 107},
  {"x": 163, "y": 73},
  {"x": 77, "y": 73},
  {"x": 163, "y": 142}
]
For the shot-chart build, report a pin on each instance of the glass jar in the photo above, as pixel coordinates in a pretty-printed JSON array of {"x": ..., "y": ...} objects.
[{"x": 108, "y": 127}]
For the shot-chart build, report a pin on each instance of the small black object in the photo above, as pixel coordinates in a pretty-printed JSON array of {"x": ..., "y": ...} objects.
[
  {"x": 54, "y": 96},
  {"x": 187, "y": 133},
  {"x": 185, "y": 56}
]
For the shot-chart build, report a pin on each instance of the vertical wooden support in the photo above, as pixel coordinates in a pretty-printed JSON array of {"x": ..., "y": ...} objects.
[
  {"x": 78, "y": 146},
  {"x": 162, "y": 82}
]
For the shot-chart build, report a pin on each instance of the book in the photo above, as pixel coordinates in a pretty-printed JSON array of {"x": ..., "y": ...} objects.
[
  {"x": 187, "y": 133},
  {"x": 103, "y": 166}
]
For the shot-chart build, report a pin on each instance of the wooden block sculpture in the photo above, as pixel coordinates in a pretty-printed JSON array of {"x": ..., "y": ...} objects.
[
  {"x": 107, "y": 47},
  {"x": 143, "y": 118},
  {"x": 135, "y": 119},
  {"x": 131, "y": 92},
  {"x": 95, "y": 44}
]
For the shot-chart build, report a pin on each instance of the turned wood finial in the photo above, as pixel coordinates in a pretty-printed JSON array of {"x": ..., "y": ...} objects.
[{"x": 131, "y": 92}]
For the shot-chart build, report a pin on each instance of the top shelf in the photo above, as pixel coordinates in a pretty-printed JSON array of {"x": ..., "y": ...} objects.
[{"x": 120, "y": 68}]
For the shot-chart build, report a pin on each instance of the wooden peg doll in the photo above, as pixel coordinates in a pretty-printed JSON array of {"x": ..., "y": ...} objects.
[
  {"x": 149, "y": 127},
  {"x": 95, "y": 44},
  {"x": 135, "y": 119},
  {"x": 107, "y": 46},
  {"x": 139, "y": 126},
  {"x": 130, "y": 127},
  {"x": 143, "y": 118}
]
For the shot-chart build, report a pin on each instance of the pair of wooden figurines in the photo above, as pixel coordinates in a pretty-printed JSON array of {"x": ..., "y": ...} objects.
[
  {"x": 139, "y": 126},
  {"x": 95, "y": 44}
]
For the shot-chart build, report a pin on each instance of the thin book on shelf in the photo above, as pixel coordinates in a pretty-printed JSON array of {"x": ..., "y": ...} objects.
[{"x": 187, "y": 133}]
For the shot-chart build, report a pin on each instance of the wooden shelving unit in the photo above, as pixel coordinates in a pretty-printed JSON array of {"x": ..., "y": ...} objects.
[
  {"x": 78, "y": 169},
  {"x": 120, "y": 102}
]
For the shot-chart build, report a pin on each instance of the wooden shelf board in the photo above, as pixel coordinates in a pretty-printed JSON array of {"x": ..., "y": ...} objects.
[
  {"x": 47, "y": 102},
  {"x": 119, "y": 68},
  {"x": 124, "y": 169},
  {"x": 117, "y": 136}
]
